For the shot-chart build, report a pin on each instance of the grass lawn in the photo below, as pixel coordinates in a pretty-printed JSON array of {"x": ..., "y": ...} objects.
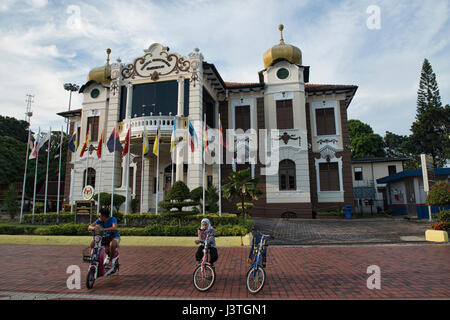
[{"x": 125, "y": 240}]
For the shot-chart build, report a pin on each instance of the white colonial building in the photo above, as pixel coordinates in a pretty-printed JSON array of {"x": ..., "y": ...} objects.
[{"x": 300, "y": 127}]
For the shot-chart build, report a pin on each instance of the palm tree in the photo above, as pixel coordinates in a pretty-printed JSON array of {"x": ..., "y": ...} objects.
[{"x": 242, "y": 187}]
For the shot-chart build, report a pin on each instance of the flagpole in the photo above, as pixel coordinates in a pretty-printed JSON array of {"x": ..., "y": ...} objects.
[
  {"x": 25, "y": 173},
  {"x": 100, "y": 180},
  {"x": 46, "y": 174},
  {"x": 59, "y": 170},
  {"x": 157, "y": 171},
  {"x": 114, "y": 172},
  {"x": 144, "y": 136},
  {"x": 204, "y": 155},
  {"x": 35, "y": 175},
  {"x": 127, "y": 178},
  {"x": 220, "y": 167}
]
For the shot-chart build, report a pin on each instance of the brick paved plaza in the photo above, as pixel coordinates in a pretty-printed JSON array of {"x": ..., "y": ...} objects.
[{"x": 407, "y": 272}]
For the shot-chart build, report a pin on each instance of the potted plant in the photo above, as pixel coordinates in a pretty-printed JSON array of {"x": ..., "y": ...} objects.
[{"x": 439, "y": 196}]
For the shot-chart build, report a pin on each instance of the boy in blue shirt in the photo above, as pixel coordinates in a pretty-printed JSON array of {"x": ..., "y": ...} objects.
[{"x": 108, "y": 225}]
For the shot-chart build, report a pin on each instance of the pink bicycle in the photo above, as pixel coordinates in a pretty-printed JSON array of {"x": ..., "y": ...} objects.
[
  {"x": 205, "y": 273},
  {"x": 98, "y": 259}
]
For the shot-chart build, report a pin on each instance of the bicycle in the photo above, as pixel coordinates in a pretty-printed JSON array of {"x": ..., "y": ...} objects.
[
  {"x": 205, "y": 273},
  {"x": 256, "y": 275},
  {"x": 98, "y": 259}
]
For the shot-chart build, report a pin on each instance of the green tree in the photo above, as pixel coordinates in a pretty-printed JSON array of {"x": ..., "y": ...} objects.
[
  {"x": 105, "y": 200},
  {"x": 177, "y": 198},
  {"x": 10, "y": 202},
  {"x": 241, "y": 187},
  {"x": 11, "y": 127},
  {"x": 430, "y": 131},
  {"x": 363, "y": 141},
  {"x": 211, "y": 199}
]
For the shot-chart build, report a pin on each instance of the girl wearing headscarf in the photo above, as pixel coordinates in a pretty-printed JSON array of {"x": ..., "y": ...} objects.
[{"x": 206, "y": 229}]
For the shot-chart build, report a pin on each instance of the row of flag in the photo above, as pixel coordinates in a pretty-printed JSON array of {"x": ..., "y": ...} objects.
[{"x": 114, "y": 144}]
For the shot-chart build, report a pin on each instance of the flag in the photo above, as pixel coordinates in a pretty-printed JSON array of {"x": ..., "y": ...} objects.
[
  {"x": 145, "y": 146},
  {"x": 30, "y": 142},
  {"x": 222, "y": 142},
  {"x": 205, "y": 136},
  {"x": 113, "y": 143},
  {"x": 156, "y": 144},
  {"x": 85, "y": 145},
  {"x": 192, "y": 136},
  {"x": 99, "y": 147},
  {"x": 34, "y": 152},
  {"x": 73, "y": 142},
  {"x": 43, "y": 141},
  {"x": 127, "y": 145},
  {"x": 173, "y": 137}
]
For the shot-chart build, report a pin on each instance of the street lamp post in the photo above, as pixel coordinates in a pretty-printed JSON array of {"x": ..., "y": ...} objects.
[{"x": 71, "y": 88}]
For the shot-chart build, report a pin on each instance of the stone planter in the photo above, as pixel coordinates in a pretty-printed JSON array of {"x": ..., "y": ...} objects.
[{"x": 436, "y": 236}]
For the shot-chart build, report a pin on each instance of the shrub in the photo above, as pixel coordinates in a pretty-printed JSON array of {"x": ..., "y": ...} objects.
[
  {"x": 14, "y": 230},
  {"x": 49, "y": 218},
  {"x": 10, "y": 202},
  {"x": 331, "y": 214},
  {"x": 64, "y": 230},
  {"x": 443, "y": 216},
  {"x": 439, "y": 195}
]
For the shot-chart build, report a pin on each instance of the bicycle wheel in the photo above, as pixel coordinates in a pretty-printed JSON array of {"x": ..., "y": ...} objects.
[
  {"x": 90, "y": 279},
  {"x": 204, "y": 280},
  {"x": 256, "y": 277}
]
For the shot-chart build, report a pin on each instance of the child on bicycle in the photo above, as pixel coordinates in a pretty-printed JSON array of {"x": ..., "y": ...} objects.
[
  {"x": 206, "y": 228},
  {"x": 255, "y": 244},
  {"x": 108, "y": 225}
]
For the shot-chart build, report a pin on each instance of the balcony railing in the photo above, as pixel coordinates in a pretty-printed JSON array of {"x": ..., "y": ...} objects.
[
  {"x": 150, "y": 123},
  {"x": 363, "y": 183}
]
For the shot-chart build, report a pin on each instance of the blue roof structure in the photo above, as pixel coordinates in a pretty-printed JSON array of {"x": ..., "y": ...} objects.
[{"x": 412, "y": 173}]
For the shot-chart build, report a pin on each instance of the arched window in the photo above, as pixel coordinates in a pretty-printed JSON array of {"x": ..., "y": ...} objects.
[
  {"x": 286, "y": 175},
  {"x": 90, "y": 178}
]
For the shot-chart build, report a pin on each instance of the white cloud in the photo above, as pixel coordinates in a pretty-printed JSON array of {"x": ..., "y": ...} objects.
[{"x": 40, "y": 52}]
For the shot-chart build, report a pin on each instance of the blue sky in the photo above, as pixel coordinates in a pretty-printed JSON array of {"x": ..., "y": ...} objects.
[{"x": 46, "y": 43}]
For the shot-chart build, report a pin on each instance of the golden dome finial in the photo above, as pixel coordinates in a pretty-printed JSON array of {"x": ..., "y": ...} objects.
[
  {"x": 282, "y": 51},
  {"x": 281, "y": 27},
  {"x": 108, "y": 52}
]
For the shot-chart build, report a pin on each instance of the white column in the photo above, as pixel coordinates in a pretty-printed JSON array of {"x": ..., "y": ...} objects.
[
  {"x": 179, "y": 173},
  {"x": 196, "y": 117},
  {"x": 180, "y": 96},
  {"x": 129, "y": 101}
]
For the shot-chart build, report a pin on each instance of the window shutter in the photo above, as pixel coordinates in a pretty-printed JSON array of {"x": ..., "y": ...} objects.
[
  {"x": 287, "y": 175},
  {"x": 285, "y": 116},
  {"x": 242, "y": 116},
  {"x": 329, "y": 176},
  {"x": 325, "y": 121}
]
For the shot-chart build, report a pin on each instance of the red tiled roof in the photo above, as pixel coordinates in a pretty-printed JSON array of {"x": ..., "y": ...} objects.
[
  {"x": 240, "y": 84},
  {"x": 309, "y": 86}
]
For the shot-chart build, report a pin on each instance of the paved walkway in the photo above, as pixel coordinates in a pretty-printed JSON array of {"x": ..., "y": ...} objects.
[
  {"x": 407, "y": 272},
  {"x": 343, "y": 231}
]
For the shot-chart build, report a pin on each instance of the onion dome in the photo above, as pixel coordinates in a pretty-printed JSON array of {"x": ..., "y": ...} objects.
[
  {"x": 282, "y": 51},
  {"x": 101, "y": 74}
]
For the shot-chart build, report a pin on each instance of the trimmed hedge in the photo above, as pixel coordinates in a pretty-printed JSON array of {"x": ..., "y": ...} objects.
[
  {"x": 331, "y": 214},
  {"x": 150, "y": 230},
  {"x": 13, "y": 230},
  {"x": 53, "y": 218},
  {"x": 137, "y": 220}
]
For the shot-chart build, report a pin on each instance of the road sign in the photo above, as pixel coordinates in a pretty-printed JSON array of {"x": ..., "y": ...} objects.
[{"x": 427, "y": 171}]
